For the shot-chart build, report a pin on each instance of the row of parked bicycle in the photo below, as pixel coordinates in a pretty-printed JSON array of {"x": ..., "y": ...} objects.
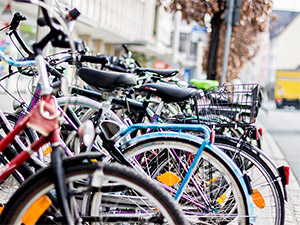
[{"x": 131, "y": 145}]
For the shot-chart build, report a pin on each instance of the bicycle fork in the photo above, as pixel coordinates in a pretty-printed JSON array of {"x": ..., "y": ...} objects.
[{"x": 59, "y": 181}]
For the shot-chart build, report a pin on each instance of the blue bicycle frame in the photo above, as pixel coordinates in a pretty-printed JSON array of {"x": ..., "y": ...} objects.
[{"x": 12, "y": 62}]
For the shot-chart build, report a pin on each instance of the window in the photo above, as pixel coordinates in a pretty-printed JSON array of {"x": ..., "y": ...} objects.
[
  {"x": 193, "y": 49},
  {"x": 183, "y": 42}
]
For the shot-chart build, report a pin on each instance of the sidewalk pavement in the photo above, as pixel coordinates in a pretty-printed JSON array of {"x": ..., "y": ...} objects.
[{"x": 292, "y": 206}]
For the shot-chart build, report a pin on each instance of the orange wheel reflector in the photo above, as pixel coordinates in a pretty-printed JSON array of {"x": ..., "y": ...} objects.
[
  {"x": 211, "y": 181},
  {"x": 221, "y": 199},
  {"x": 36, "y": 210},
  {"x": 1, "y": 209},
  {"x": 169, "y": 178},
  {"x": 258, "y": 199},
  {"x": 48, "y": 150}
]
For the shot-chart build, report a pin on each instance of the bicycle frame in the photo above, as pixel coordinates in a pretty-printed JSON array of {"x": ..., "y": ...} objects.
[{"x": 53, "y": 137}]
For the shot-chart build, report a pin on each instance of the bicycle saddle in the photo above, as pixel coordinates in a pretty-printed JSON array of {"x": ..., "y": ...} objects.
[
  {"x": 163, "y": 73},
  {"x": 106, "y": 79},
  {"x": 169, "y": 93}
]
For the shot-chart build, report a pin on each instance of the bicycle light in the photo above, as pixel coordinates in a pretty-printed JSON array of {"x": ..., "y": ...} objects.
[{"x": 87, "y": 132}]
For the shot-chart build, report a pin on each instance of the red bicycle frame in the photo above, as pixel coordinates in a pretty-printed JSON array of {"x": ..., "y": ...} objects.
[{"x": 43, "y": 118}]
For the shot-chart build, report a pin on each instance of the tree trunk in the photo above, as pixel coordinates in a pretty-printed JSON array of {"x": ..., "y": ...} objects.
[{"x": 216, "y": 23}]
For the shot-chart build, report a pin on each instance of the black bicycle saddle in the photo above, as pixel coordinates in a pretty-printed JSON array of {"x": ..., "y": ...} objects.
[
  {"x": 106, "y": 79},
  {"x": 169, "y": 93}
]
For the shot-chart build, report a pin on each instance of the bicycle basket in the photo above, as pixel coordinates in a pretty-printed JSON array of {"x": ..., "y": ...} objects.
[{"x": 227, "y": 105}]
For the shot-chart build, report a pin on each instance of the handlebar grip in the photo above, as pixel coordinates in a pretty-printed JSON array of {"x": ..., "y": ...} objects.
[
  {"x": 74, "y": 13},
  {"x": 17, "y": 18},
  {"x": 94, "y": 59}
]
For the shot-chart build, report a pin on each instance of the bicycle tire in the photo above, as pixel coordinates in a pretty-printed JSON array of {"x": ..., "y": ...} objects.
[
  {"x": 209, "y": 160},
  {"x": 41, "y": 184}
]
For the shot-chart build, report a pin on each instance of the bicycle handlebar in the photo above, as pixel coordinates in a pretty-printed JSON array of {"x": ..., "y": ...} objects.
[
  {"x": 125, "y": 48},
  {"x": 14, "y": 24},
  {"x": 24, "y": 1},
  {"x": 137, "y": 63},
  {"x": 94, "y": 59}
]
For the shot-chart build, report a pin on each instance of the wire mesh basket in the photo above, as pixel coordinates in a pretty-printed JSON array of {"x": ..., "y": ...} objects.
[{"x": 227, "y": 105}]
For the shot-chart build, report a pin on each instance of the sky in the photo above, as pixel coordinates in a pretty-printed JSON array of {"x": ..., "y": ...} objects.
[{"x": 287, "y": 5}]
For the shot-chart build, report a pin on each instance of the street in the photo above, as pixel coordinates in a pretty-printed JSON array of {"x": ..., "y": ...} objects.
[{"x": 284, "y": 126}]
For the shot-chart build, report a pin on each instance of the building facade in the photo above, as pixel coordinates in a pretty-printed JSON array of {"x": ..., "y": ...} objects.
[{"x": 145, "y": 26}]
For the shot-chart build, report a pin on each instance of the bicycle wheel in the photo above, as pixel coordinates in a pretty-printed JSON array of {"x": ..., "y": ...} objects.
[
  {"x": 212, "y": 196},
  {"x": 123, "y": 197},
  {"x": 267, "y": 195},
  {"x": 9, "y": 185}
]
